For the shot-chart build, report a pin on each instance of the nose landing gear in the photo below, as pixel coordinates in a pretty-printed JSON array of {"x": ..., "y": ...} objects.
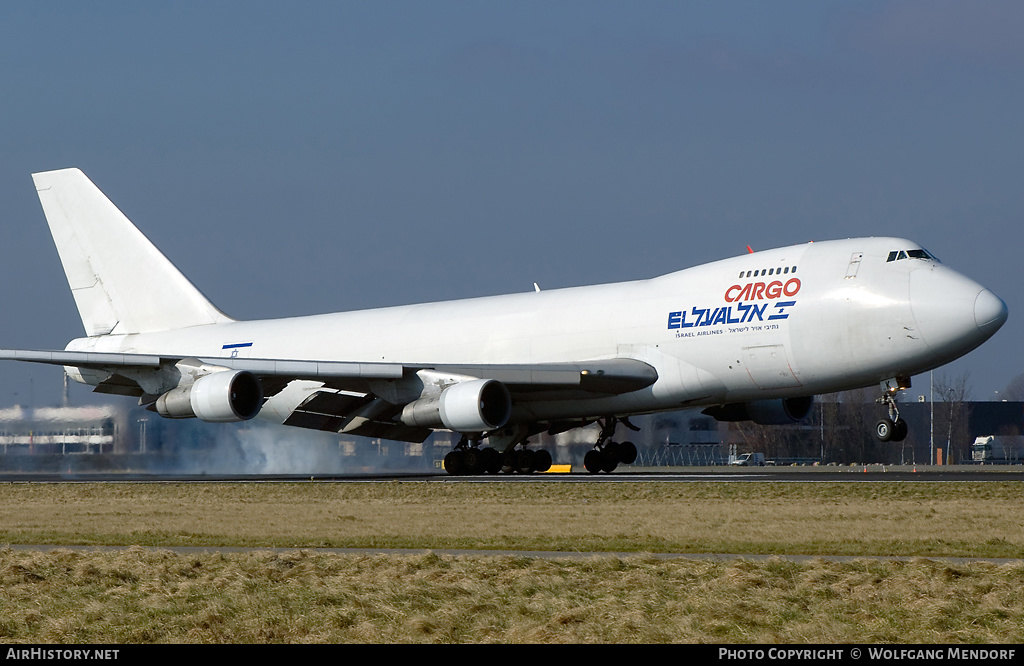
[
  {"x": 892, "y": 428},
  {"x": 887, "y": 430}
]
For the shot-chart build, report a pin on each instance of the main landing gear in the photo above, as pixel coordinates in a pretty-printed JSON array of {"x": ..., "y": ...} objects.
[
  {"x": 892, "y": 428},
  {"x": 606, "y": 454},
  {"x": 468, "y": 458}
]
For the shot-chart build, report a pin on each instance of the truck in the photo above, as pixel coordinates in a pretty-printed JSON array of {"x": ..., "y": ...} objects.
[
  {"x": 748, "y": 460},
  {"x": 998, "y": 450}
]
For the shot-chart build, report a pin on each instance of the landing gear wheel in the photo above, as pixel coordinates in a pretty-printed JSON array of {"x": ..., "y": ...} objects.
[
  {"x": 490, "y": 460},
  {"x": 471, "y": 461},
  {"x": 541, "y": 460},
  {"x": 524, "y": 462},
  {"x": 899, "y": 431},
  {"x": 888, "y": 431},
  {"x": 609, "y": 457},
  {"x": 453, "y": 463},
  {"x": 627, "y": 453},
  {"x": 884, "y": 430}
]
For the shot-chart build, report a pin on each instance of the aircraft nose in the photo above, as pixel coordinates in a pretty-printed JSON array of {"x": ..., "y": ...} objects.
[
  {"x": 989, "y": 312},
  {"x": 954, "y": 314}
]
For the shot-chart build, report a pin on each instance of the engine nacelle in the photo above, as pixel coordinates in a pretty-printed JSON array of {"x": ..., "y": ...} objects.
[
  {"x": 220, "y": 397},
  {"x": 781, "y": 411},
  {"x": 475, "y": 405}
]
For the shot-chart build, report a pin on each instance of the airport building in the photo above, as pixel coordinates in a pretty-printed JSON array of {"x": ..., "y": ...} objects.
[
  {"x": 94, "y": 429},
  {"x": 108, "y": 437}
]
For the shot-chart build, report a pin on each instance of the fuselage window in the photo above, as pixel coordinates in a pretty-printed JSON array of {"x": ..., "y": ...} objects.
[{"x": 761, "y": 272}]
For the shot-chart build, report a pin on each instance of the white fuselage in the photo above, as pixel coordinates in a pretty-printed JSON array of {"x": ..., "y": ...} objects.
[{"x": 794, "y": 321}]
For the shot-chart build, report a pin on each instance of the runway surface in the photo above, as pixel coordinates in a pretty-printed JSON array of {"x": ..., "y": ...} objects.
[{"x": 859, "y": 474}]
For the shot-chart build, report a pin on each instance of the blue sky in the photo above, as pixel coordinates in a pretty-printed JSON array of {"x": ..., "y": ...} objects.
[{"x": 294, "y": 158}]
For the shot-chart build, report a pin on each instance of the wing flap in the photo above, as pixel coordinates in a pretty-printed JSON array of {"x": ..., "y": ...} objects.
[
  {"x": 363, "y": 415},
  {"x": 608, "y": 376}
]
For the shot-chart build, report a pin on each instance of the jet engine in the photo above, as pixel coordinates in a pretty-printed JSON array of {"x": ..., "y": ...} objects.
[
  {"x": 781, "y": 411},
  {"x": 219, "y": 397},
  {"x": 475, "y": 405}
]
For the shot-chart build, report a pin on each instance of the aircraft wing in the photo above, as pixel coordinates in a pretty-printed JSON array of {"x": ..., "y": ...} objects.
[{"x": 352, "y": 397}]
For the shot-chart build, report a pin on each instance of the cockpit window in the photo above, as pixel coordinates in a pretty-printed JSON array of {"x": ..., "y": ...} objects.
[{"x": 918, "y": 253}]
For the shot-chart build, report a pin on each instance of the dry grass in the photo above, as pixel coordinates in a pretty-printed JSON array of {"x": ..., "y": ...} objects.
[
  {"x": 152, "y": 596},
  {"x": 138, "y": 595},
  {"x": 908, "y": 519}
]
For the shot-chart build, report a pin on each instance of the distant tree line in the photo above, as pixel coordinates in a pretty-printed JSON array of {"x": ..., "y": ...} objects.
[{"x": 840, "y": 429}]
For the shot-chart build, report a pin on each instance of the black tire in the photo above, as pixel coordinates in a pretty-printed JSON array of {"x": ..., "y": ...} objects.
[
  {"x": 900, "y": 431},
  {"x": 592, "y": 461},
  {"x": 490, "y": 460},
  {"x": 541, "y": 460},
  {"x": 609, "y": 461},
  {"x": 627, "y": 453},
  {"x": 453, "y": 463},
  {"x": 471, "y": 461},
  {"x": 524, "y": 462},
  {"x": 884, "y": 430}
]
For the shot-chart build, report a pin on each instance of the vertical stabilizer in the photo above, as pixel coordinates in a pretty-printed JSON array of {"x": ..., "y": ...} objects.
[{"x": 120, "y": 281}]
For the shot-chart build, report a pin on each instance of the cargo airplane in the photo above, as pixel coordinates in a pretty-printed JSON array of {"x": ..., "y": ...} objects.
[{"x": 754, "y": 337}]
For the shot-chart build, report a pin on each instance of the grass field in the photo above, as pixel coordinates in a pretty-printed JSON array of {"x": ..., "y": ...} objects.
[{"x": 153, "y": 595}]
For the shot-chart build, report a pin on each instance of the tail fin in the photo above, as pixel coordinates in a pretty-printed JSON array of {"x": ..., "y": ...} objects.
[{"x": 120, "y": 281}]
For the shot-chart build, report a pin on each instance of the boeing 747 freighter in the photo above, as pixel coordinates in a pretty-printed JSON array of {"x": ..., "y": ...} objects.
[{"x": 755, "y": 337}]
